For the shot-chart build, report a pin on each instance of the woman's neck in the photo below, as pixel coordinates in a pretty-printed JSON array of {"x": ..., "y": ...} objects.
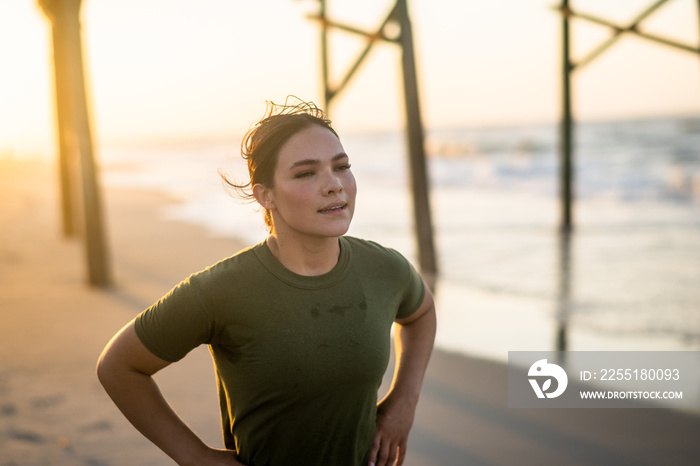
[{"x": 310, "y": 257}]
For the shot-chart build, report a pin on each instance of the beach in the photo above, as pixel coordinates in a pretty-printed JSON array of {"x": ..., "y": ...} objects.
[{"x": 53, "y": 327}]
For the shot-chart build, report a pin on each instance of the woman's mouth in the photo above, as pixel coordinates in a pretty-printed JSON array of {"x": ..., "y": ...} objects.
[{"x": 333, "y": 208}]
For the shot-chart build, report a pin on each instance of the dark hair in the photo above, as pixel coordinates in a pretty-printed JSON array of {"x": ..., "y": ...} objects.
[{"x": 261, "y": 144}]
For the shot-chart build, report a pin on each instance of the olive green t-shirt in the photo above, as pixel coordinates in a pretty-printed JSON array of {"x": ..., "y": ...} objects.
[{"x": 298, "y": 359}]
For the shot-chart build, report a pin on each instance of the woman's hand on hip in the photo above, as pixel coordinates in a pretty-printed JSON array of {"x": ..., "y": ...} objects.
[
  {"x": 394, "y": 421},
  {"x": 221, "y": 458}
]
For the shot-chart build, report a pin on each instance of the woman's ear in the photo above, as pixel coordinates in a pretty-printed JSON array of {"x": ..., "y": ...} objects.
[{"x": 264, "y": 196}]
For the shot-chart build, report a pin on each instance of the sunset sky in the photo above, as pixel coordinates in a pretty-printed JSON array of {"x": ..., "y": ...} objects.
[{"x": 175, "y": 69}]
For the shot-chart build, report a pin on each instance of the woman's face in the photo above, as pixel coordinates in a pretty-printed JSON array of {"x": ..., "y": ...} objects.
[{"x": 314, "y": 189}]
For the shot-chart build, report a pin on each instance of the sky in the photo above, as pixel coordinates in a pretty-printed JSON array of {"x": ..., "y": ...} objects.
[{"x": 176, "y": 69}]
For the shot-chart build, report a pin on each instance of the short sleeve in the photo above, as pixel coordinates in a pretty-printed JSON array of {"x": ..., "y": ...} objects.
[
  {"x": 413, "y": 291},
  {"x": 176, "y": 324}
]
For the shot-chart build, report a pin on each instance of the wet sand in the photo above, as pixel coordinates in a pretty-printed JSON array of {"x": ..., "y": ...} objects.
[{"x": 53, "y": 327}]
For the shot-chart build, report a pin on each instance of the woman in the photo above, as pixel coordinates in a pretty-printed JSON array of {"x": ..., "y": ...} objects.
[{"x": 298, "y": 325}]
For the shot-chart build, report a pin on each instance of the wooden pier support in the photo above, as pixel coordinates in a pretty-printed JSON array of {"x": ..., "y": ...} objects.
[
  {"x": 416, "y": 149},
  {"x": 566, "y": 184},
  {"x": 569, "y": 67},
  {"x": 566, "y": 172},
  {"x": 76, "y": 158},
  {"x": 414, "y": 128}
]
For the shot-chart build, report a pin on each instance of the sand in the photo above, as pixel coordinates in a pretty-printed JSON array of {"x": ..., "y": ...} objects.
[{"x": 53, "y": 327}]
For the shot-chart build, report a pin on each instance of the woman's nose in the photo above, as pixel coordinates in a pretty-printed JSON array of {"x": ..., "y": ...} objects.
[{"x": 332, "y": 184}]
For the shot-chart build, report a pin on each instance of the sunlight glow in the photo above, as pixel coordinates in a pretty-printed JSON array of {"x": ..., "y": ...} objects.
[
  {"x": 183, "y": 69},
  {"x": 26, "y": 93}
]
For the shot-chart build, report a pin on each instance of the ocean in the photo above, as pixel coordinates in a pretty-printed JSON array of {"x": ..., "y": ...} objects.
[{"x": 632, "y": 279}]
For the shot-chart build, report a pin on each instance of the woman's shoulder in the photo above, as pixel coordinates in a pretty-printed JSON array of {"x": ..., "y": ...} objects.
[
  {"x": 240, "y": 263},
  {"x": 367, "y": 250},
  {"x": 363, "y": 244}
]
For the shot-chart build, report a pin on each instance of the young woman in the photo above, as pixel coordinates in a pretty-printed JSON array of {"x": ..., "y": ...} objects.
[{"x": 298, "y": 325}]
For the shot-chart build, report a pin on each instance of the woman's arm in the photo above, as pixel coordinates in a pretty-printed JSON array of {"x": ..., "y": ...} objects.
[
  {"x": 125, "y": 370},
  {"x": 414, "y": 337}
]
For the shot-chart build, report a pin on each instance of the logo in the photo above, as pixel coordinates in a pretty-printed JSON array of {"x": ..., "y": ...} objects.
[{"x": 541, "y": 370}]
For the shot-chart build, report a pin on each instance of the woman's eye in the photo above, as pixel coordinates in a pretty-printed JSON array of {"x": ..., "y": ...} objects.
[
  {"x": 345, "y": 166},
  {"x": 305, "y": 174}
]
